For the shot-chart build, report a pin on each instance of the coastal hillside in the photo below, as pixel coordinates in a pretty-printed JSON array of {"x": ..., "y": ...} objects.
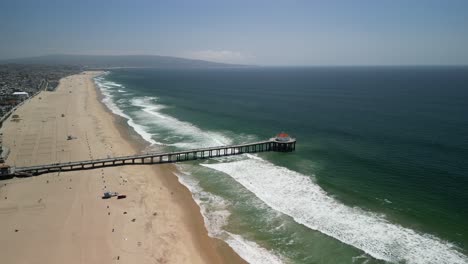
[{"x": 109, "y": 61}]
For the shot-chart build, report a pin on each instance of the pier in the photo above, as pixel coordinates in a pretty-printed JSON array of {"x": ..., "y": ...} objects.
[{"x": 281, "y": 143}]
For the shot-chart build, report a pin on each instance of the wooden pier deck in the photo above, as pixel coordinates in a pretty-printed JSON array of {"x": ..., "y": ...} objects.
[{"x": 157, "y": 158}]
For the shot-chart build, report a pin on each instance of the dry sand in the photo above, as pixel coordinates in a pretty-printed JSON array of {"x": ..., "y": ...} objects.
[{"x": 61, "y": 218}]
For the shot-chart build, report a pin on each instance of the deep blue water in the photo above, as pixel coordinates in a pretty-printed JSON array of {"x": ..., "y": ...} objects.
[{"x": 389, "y": 144}]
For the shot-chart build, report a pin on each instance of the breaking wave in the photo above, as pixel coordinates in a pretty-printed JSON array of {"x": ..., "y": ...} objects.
[
  {"x": 215, "y": 214},
  {"x": 182, "y": 134},
  {"x": 106, "y": 89},
  {"x": 296, "y": 195}
]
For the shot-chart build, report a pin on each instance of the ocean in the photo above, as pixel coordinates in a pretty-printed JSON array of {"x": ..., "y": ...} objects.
[{"x": 380, "y": 171}]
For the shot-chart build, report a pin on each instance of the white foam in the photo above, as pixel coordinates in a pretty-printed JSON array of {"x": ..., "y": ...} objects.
[
  {"x": 193, "y": 136},
  {"x": 111, "y": 84},
  {"x": 297, "y": 196},
  {"x": 213, "y": 207},
  {"x": 215, "y": 214},
  {"x": 108, "y": 101},
  {"x": 251, "y": 251}
]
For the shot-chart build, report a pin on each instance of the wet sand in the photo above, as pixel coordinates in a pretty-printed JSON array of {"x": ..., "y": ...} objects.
[{"x": 61, "y": 218}]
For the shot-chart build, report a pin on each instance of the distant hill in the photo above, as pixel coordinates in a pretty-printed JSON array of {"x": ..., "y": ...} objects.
[{"x": 111, "y": 61}]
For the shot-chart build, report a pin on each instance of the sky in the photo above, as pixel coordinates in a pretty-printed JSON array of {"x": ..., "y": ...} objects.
[{"x": 274, "y": 32}]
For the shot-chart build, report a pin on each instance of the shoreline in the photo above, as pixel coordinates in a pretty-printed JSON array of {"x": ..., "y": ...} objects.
[
  {"x": 182, "y": 193},
  {"x": 158, "y": 222}
]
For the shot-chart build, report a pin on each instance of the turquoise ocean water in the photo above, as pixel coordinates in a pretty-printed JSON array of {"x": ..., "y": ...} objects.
[{"x": 379, "y": 174}]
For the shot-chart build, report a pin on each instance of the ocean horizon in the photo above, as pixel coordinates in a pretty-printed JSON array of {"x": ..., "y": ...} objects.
[{"x": 378, "y": 175}]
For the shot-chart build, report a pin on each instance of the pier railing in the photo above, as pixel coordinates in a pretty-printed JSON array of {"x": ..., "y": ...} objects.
[{"x": 158, "y": 158}]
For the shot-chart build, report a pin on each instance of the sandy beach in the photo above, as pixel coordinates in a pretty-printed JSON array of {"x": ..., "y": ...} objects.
[{"x": 61, "y": 218}]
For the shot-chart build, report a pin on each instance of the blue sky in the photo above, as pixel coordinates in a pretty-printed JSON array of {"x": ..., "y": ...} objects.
[{"x": 283, "y": 32}]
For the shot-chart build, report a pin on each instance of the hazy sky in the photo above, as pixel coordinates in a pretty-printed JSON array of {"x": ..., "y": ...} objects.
[{"x": 283, "y": 32}]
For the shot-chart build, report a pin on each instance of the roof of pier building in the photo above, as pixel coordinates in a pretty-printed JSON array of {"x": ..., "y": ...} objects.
[{"x": 283, "y": 137}]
